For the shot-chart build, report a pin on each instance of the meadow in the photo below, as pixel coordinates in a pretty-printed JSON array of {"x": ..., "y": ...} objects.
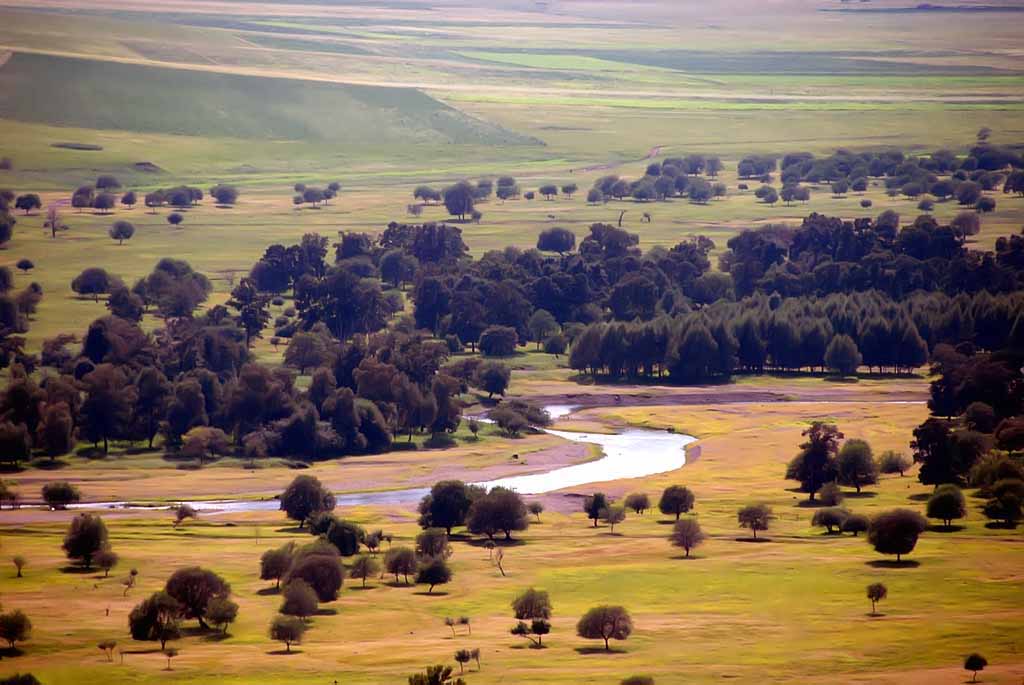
[{"x": 385, "y": 96}]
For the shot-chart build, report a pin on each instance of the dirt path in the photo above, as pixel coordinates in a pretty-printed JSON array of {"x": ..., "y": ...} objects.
[{"x": 651, "y": 154}]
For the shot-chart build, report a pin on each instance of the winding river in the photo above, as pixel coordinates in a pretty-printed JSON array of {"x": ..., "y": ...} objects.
[{"x": 631, "y": 453}]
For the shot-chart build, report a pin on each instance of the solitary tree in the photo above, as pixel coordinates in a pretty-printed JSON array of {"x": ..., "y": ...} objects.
[
  {"x": 287, "y": 629},
  {"x": 304, "y": 497},
  {"x": 86, "y": 536},
  {"x": 855, "y": 464},
  {"x": 687, "y": 534},
  {"x": 60, "y": 494},
  {"x": 434, "y": 572},
  {"x": 947, "y": 503},
  {"x": 605, "y": 623},
  {"x": 274, "y": 563},
  {"x": 842, "y": 355},
  {"x": 533, "y": 606},
  {"x": 896, "y": 532},
  {"x": 14, "y": 627},
  {"x": 121, "y": 231},
  {"x": 676, "y": 500},
  {"x": 364, "y": 567},
  {"x": 194, "y": 588},
  {"x": 894, "y": 462},
  {"x": 536, "y": 508},
  {"x": 755, "y": 517},
  {"x": 106, "y": 559},
  {"x": 170, "y": 653},
  {"x": 638, "y": 502},
  {"x": 974, "y": 663},
  {"x": 175, "y": 219},
  {"x": 19, "y": 563},
  {"x": 613, "y": 514},
  {"x": 594, "y": 505},
  {"x": 876, "y": 593},
  {"x": 400, "y": 561},
  {"x": 463, "y": 657},
  {"x": 856, "y": 524}
]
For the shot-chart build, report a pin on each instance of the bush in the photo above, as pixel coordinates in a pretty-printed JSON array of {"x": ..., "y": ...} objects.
[
  {"x": 830, "y": 495},
  {"x": 947, "y": 503},
  {"x": 830, "y": 518},
  {"x": 856, "y": 524},
  {"x": 434, "y": 572},
  {"x": 60, "y": 494},
  {"x": 299, "y": 599},
  {"x": 894, "y": 462}
]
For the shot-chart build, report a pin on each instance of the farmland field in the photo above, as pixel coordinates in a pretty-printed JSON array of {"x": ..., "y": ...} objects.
[{"x": 384, "y": 97}]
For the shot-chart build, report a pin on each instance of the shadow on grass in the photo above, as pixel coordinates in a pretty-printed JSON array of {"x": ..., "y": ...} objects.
[
  {"x": 296, "y": 529},
  {"x": 1000, "y": 525},
  {"x": 864, "y": 494},
  {"x": 322, "y": 611},
  {"x": 811, "y": 504},
  {"x": 692, "y": 557},
  {"x": 216, "y": 637},
  {"x": 666, "y": 522},
  {"x": 875, "y": 615},
  {"x": 752, "y": 539},
  {"x": 76, "y": 570},
  {"x": 599, "y": 650},
  {"x": 892, "y": 563},
  {"x": 284, "y": 652},
  {"x": 9, "y": 652},
  {"x": 266, "y": 591},
  {"x": 435, "y": 593},
  {"x": 49, "y": 465},
  {"x": 514, "y": 542},
  {"x": 919, "y": 497},
  {"x": 939, "y": 528},
  {"x": 362, "y": 587}
]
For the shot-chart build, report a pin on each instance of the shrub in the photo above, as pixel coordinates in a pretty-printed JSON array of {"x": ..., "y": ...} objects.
[
  {"x": 830, "y": 518},
  {"x": 947, "y": 503},
  {"x": 896, "y": 532},
  {"x": 605, "y": 623},
  {"x": 687, "y": 534}
]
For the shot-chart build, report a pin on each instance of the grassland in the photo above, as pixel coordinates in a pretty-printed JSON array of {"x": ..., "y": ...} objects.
[
  {"x": 773, "y": 612},
  {"x": 383, "y": 96}
]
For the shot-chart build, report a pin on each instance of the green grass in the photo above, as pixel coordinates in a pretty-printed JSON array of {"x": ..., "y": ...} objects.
[{"x": 128, "y": 97}]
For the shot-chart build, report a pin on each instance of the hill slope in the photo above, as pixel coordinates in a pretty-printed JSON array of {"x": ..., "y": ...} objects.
[{"x": 106, "y": 95}]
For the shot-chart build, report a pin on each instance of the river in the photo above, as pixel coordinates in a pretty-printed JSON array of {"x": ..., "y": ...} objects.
[{"x": 631, "y": 453}]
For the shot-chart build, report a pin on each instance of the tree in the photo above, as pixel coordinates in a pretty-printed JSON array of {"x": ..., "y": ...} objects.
[
  {"x": 755, "y": 517},
  {"x": 498, "y": 341},
  {"x": 193, "y": 588},
  {"x": 855, "y": 464},
  {"x": 86, "y": 535},
  {"x": 107, "y": 410},
  {"x": 500, "y": 510},
  {"x": 549, "y": 191},
  {"x": 304, "y": 497},
  {"x": 287, "y": 629},
  {"x": 224, "y": 194},
  {"x": 613, "y": 514},
  {"x": 1005, "y": 505},
  {"x": 947, "y": 503},
  {"x": 220, "y": 613},
  {"x": 14, "y": 627},
  {"x": 104, "y": 202},
  {"x": 605, "y": 623},
  {"x": 492, "y": 377},
  {"x": 364, "y": 567},
  {"x": 560, "y": 240},
  {"x": 156, "y": 618},
  {"x": 533, "y": 606},
  {"x": 676, "y": 500},
  {"x": 814, "y": 466},
  {"x": 638, "y": 502},
  {"x": 831, "y": 518},
  {"x": 434, "y": 572},
  {"x": 855, "y": 523},
  {"x": 170, "y": 653},
  {"x": 896, "y": 532},
  {"x": 458, "y": 199},
  {"x": 541, "y": 325},
  {"x": 106, "y": 559},
  {"x": 19, "y": 563},
  {"x": 320, "y": 566},
  {"x": 93, "y": 281},
  {"x": 401, "y": 561},
  {"x": 876, "y": 593},
  {"x": 28, "y": 202},
  {"x": 299, "y": 599},
  {"x": 974, "y": 663},
  {"x": 536, "y": 508},
  {"x": 593, "y": 505},
  {"x": 447, "y": 505},
  {"x": 175, "y": 219},
  {"x": 433, "y": 542},
  {"x": 274, "y": 563},
  {"x": 463, "y": 657},
  {"x": 894, "y": 462},
  {"x": 686, "y": 533},
  {"x": 25, "y": 265},
  {"x": 842, "y": 355},
  {"x": 60, "y": 494}
]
